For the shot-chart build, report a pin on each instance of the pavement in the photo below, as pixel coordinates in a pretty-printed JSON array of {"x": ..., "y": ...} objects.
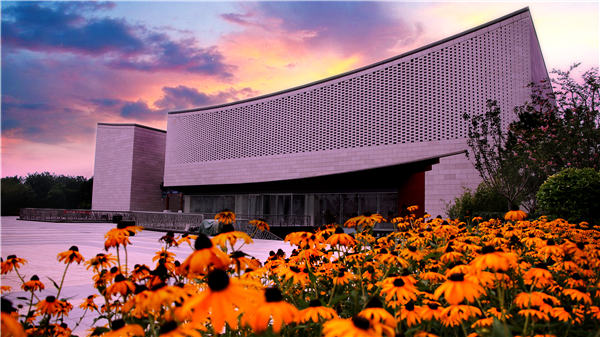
[{"x": 40, "y": 242}]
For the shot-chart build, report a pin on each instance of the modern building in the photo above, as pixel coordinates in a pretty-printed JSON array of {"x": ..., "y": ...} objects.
[{"x": 374, "y": 139}]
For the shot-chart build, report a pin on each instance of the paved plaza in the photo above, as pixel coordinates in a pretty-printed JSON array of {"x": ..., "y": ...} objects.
[{"x": 40, "y": 242}]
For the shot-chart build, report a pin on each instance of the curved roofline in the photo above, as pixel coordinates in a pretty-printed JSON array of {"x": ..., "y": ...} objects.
[
  {"x": 132, "y": 124},
  {"x": 414, "y": 51}
]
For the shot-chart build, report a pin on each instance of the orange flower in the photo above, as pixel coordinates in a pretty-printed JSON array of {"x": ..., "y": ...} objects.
[
  {"x": 515, "y": 215},
  {"x": 120, "y": 286},
  {"x": 225, "y": 217},
  {"x": 222, "y": 301},
  {"x": 205, "y": 256},
  {"x": 316, "y": 312},
  {"x": 33, "y": 284},
  {"x": 12, "y": 262},
  {"x": 495, "y": 260},
  {"x": 101, "y": 261},
  {"x": 88, "y": 303},
  {"x": 272, "y": 310},
  {"x": 260, "y": 224},
  {"x": 71, "y": 255},
  {"x": 457, "y": 288},
  {"x": 397, "y": 287},
  {"x": 51, "y": 306}
]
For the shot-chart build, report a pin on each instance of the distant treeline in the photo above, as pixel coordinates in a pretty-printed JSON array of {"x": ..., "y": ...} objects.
[{"x": 45, "y": 190}]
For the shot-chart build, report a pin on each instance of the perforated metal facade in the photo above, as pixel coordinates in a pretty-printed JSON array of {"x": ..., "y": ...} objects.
[{"x": 400, "y": 110}]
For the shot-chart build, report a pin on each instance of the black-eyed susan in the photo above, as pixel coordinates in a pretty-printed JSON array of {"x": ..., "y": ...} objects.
[
  {"x": 140, "y": 272},
  {"x": 171, "y": 329},
  {"x": 316, "y": 312},
  {"x": 578, "y": 294},
  {"x": 242, "y": 261},
  {"x": 51, "y": 306},
  {"x": 431, "y": 311},
  {"x": 222, "y": 301},
  {"x": 228, "y": 235},
  {"x": 457, "y": 289},
  {"x": 225, "y": 217},
  {"x": 454, "y": 315},
  {"x": 273, "y": 310},
  {"x": 304, "y": 240},
  {"x": 121, "y": 286},
  {"x": 119, "y": 236},
  {"x": 538, "y": 276},
  {"x": 169, "y": 240},
  {"x": 515, "y": 214},
  {"x": 376, "y": 314},
  {"x": 120, "y": 329},
  {"x": 343, "y": 277},
  {"x": 187, "y": 238},
  {"x": 534, "y": 312},
  {"x": 496, "y": 260},
  {"x": 101, "y": 261},
  {"x": 260, "y": 224},
  {"x": 205, "y": 257},
  {"x": 12, "y": 263},
  {"x": 88, "y": 303},
  {"x": 70, "y": 256},
  {"x": 550, "y": 249},
  {"x": 33, "y": 284},
  {"x": 339, "y": 238},
  {"x": 356, "y": 326},
  {"x": 410, "y": 313},
  {"x": 10, "y": 325},
  {"x": 396, "y": 287}
]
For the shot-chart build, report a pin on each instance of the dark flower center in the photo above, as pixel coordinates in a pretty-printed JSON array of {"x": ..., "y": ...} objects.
[
  {"x": 398, "y": 282},
  {"x": 218, "y": 280},
  {"x": 315, "y": 303},
  {"x": 295, "y": 269},
  {"x": 7, "y": 306},
  {"x": 449, "y": 249},
  {"x": 580, "y": 245},
  {"x": 531, "y": 235},
  {"x": 50, "y": 299},
  {"x": 433, "y": 306},
  {"x": 367, "y": 214},
  {"x": 35, "y": 278},
  {"x": 576, "y": 277},
  {"x": 487, "y": 249},
  {"x": 383, "y": 251},
  {"x": 10, "y": 257},
  {"x": 457, "y": 277},
  {"x": 74, "y": 248},
  {"x": 550, "y": 242},
  {"x": 117, "y": 324},
  {"x": 341, "y": 273},
  {"x": 202, "y": 242},
  {"x": 91, "y": 297},
  {"x": 375, "y": 302},
  {"x": 227, "y": 228},
  {"x": 114, "y": 269},
  {"x": 273, "y": 295},
  {"x": 237, "y": 254},
  {"x": 361, "y": 322},
  {"x": 339, "y": 230},
  {"x": 167, "y": 327},
  {"x": 412, "y": 248},
  {"x": 119, "y": 278},
  {"x": 410, "y": 306}
]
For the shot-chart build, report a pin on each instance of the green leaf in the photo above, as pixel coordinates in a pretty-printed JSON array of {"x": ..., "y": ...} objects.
[
  {"x": 54, "y": 283},
  {"x": 500, "y": 330}
]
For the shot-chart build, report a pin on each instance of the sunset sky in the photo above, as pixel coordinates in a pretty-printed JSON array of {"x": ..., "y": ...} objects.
[{"x": 68, "y": 65}]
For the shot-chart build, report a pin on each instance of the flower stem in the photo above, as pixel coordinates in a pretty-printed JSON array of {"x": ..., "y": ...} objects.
[{"x": 62, "y": 280}]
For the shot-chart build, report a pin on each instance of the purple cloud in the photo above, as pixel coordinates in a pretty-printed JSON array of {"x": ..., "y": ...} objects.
[
  {"x": 368, "y": 27},
  {"x": 182, "y": 97},
  {"x": 64, "y": 27}
]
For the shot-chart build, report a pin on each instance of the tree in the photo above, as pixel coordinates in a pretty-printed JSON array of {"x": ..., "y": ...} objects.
[
  {"x": 499, "y": 169},
  {"x": 557, "y": 128},
  {"x": 560, "y": 129}
]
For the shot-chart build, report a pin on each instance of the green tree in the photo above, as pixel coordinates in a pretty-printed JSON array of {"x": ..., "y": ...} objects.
[
  {"x": 572, "y": 194},
  {"x": 15, "y": 195},
  {"x": 501, "y": 169}
]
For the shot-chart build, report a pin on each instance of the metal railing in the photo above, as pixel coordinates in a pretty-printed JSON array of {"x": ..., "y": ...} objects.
[
  {"x": 161, "y": 221},
  {"x": 274, "y": 220}
]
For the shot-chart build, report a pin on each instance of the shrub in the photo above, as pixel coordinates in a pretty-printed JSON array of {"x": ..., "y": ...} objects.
[
  {"x": 484, "y": 202},
  {"x": 572, "y": 194}
]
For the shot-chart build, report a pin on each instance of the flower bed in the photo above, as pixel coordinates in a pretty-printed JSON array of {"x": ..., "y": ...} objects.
[{"x": 430, "y": 277}]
